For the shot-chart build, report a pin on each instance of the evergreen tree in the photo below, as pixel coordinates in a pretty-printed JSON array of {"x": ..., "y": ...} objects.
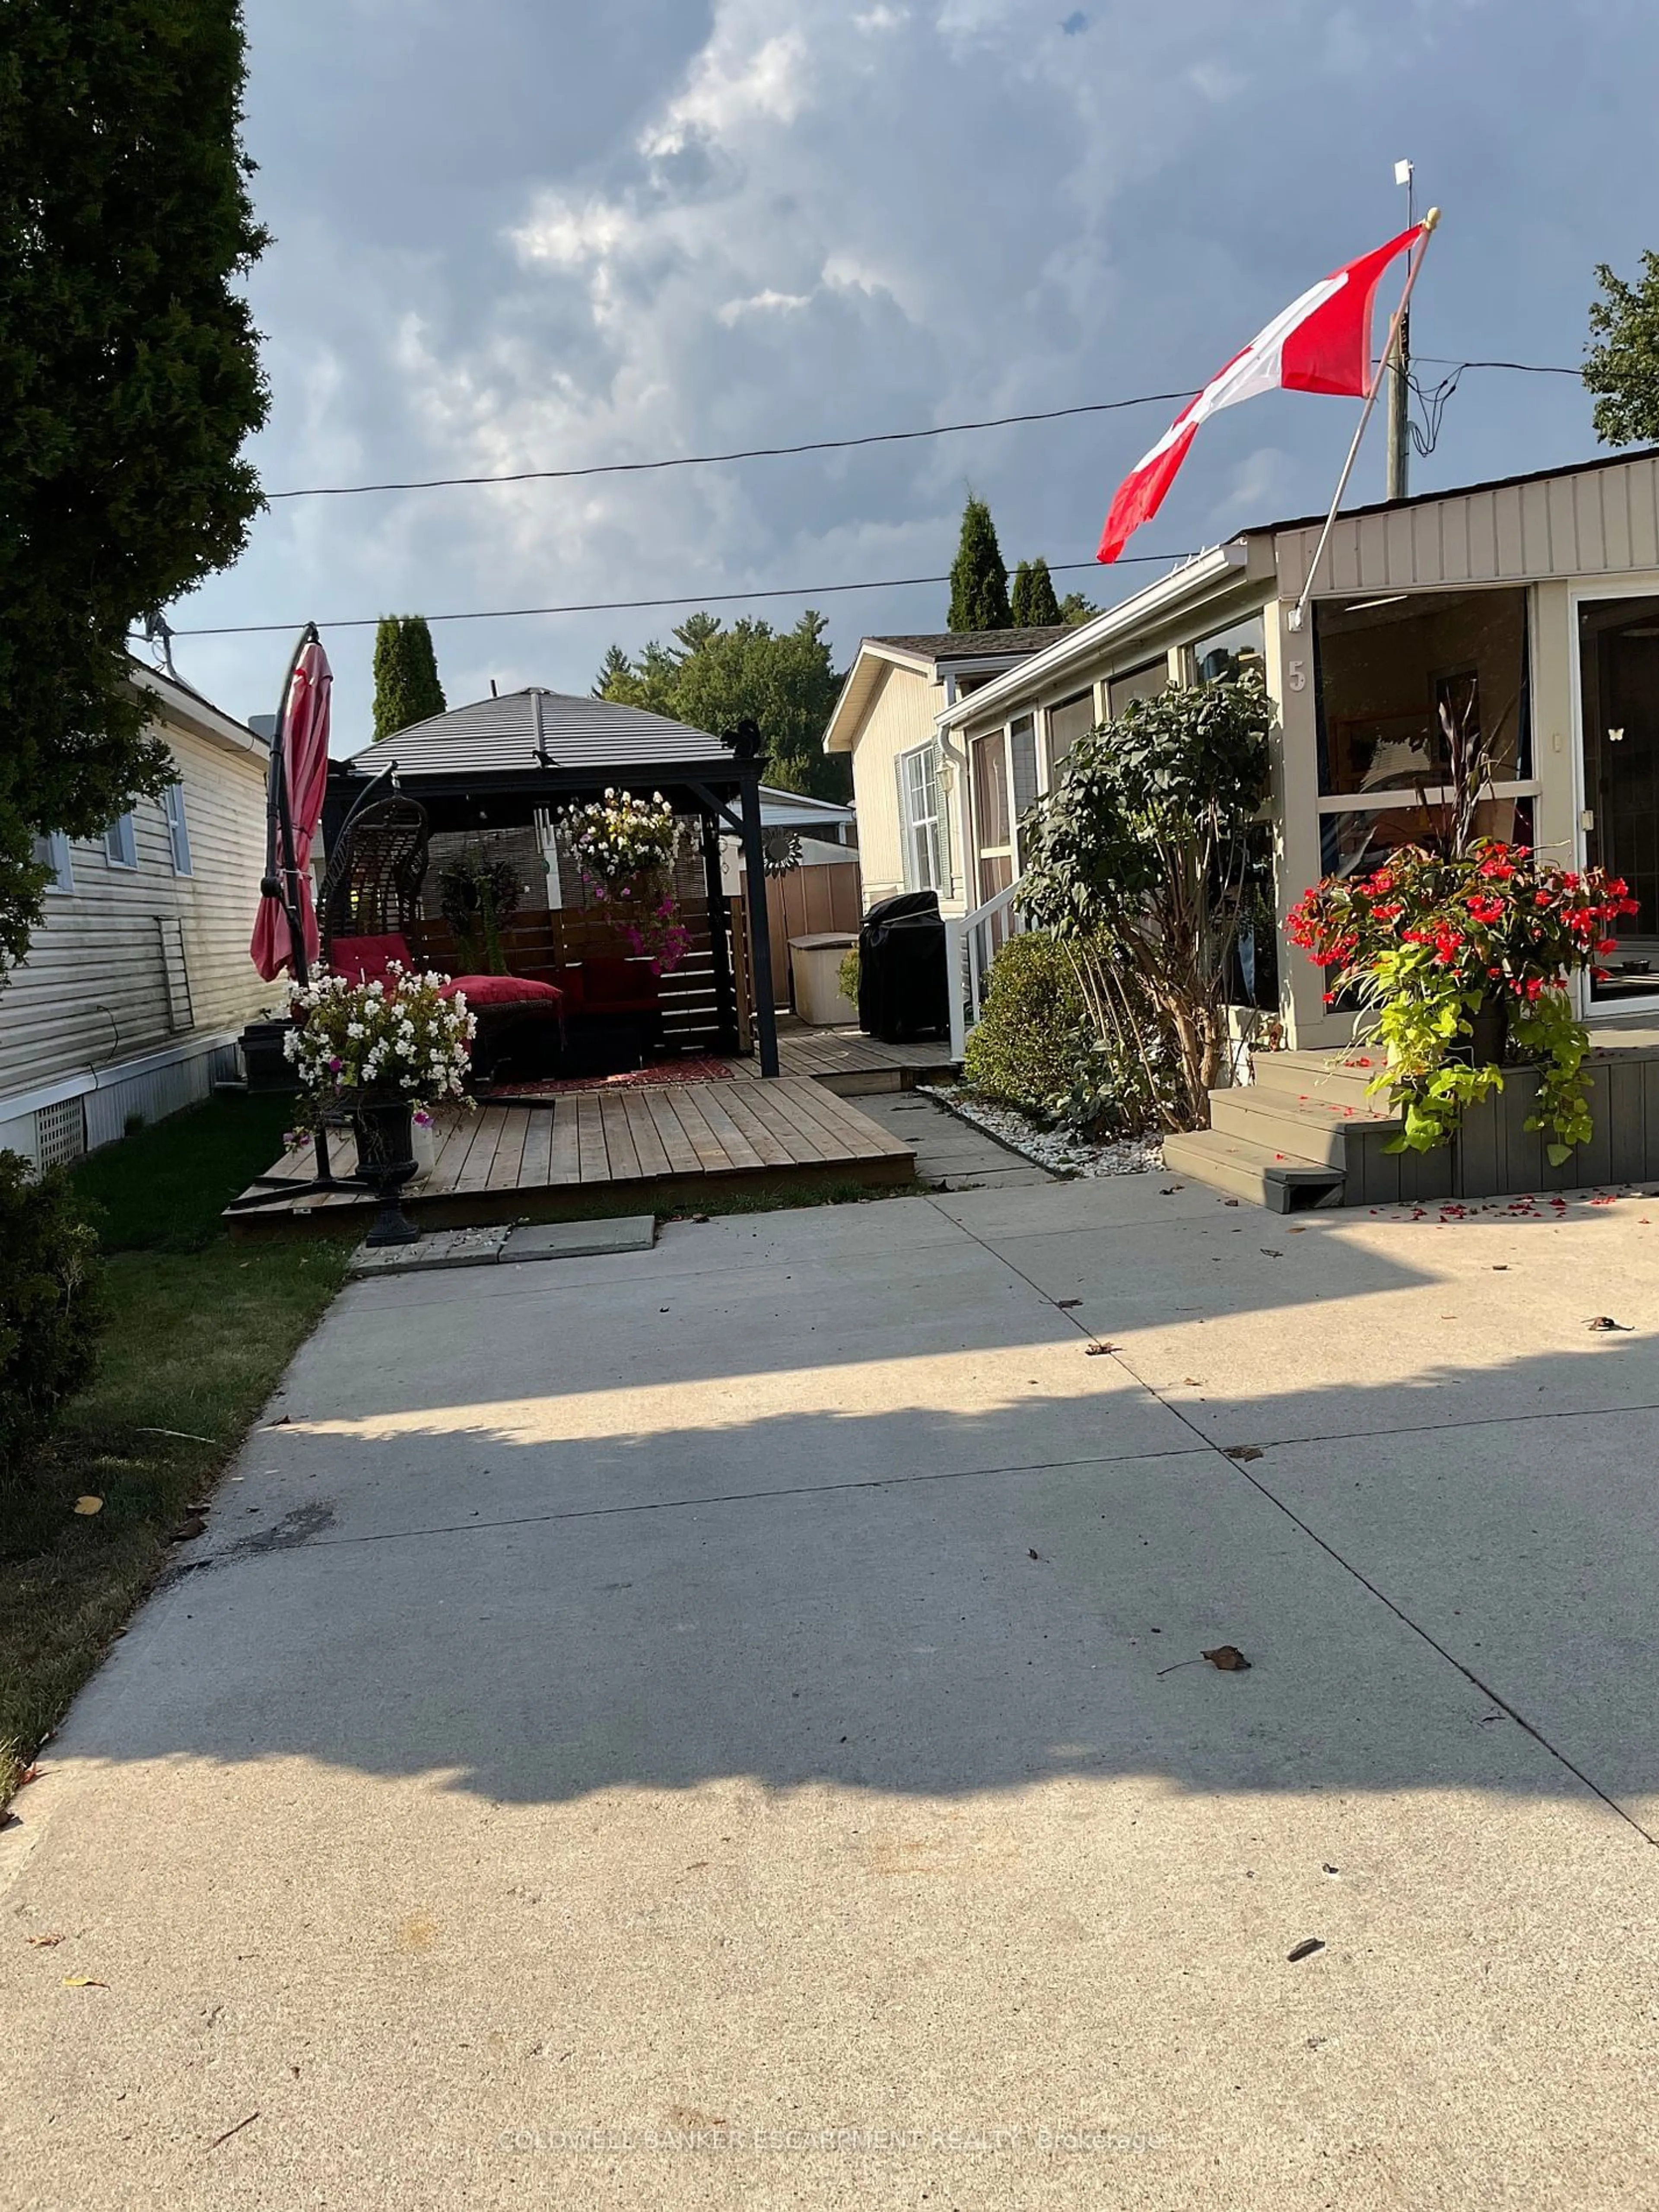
[
  {"x": 1623, "y": 370},
  {"x": 784, "y": 679},
  {"x": 406, "y": 686},
  {"x": 128, "y": 378},
  {"x": 1034, "y": 603},
  {"x": 1075, "y": 609},
  {"x": 979, "y": 580},
  {"x": 616, "y": 674}
]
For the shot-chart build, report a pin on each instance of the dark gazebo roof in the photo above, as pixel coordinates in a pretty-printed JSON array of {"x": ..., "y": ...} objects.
[{"x": 528, "y": 733}]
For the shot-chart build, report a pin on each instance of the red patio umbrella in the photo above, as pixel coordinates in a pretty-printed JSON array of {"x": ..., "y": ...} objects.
[{"x": 285, "y": 932}]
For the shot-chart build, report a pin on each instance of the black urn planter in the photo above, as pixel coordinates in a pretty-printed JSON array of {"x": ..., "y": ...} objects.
[
  {"x": 384, "y": 1129},
  {"x": 1489, "y": 1034}
]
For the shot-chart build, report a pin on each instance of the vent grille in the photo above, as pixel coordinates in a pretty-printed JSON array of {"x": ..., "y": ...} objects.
[{"x": 60, "y": 1134}]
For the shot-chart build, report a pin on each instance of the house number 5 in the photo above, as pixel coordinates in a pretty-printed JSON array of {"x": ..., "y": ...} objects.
[{"x": 1297, "y": 675}]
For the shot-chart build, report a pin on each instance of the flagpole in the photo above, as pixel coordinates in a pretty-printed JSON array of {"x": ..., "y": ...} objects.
[{"x": 1431, "y": 224}]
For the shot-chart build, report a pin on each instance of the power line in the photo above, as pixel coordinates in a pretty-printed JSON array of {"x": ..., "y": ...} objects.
[
  {"x": 1521, "y": 368},
  {"x": 744, "y": 453},
  {"x": 819, "y": 445},
  {"x": 680, "y": 600}
]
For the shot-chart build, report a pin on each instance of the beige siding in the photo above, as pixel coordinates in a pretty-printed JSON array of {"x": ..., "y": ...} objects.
[
  {"x": 133, "y": 960},
  {"x": 899, "y": 718},
  {"x": 1597, "y": 522}
]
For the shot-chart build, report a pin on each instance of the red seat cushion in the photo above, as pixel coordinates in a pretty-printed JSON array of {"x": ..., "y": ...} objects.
[
  {"x": 503, "y": 991},
  {"x": 614, "y": 986},
  {"x": 365, "y": 959}
]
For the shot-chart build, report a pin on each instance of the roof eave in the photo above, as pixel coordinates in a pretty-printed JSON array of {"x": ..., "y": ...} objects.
[{"x": 1185, "y": 587}]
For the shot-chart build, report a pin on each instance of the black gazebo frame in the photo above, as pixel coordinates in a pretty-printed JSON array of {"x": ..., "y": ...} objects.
[{"x": 722, "y": 791}]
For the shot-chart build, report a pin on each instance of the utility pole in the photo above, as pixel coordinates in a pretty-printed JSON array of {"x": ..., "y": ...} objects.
[{"x": 1400, "y": 439}]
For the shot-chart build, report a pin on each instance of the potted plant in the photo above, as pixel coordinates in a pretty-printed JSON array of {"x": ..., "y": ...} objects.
[
  {"x": 381, "y": 1053},
  {"x": 625, "y": 849},
  {"x": 1457, "y": 955},
  {"x": 475, "y": 896}
]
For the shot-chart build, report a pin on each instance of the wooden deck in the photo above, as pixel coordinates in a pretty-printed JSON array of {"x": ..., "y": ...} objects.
[
  {"x": 657, "y": 1144},
  {"x": 851, "y": 1064}
]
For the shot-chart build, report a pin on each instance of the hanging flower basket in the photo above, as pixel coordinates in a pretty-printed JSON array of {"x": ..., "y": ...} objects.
[
  {"x": 1446, "y": 952},
  {"x": 625, "y": 849}
]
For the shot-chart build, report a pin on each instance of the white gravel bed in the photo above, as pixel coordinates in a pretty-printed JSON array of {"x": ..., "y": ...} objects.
[{"x": 1051, "y": 1148}]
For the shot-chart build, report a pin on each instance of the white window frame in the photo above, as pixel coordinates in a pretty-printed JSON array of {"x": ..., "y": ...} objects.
[
  {"x": 916, "y": 827},
  {"x": 121, "y": 843},
  {"x": 51, "y": 850},
  {"x": 172, "y": 812}
]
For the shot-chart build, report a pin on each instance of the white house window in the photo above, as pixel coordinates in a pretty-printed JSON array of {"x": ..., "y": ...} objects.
[
  {"x": 173, "y": 807},
  {"x": 120, "y": 843},
  {"x": 52, "y": 851},
  {"x": 919, "y": 813}
]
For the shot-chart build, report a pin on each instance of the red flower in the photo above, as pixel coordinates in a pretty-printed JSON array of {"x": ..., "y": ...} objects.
[{"x": 1488, "y": 911}]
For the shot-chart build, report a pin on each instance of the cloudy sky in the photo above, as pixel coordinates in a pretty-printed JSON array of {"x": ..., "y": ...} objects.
[{"x": 520, "y": 233}]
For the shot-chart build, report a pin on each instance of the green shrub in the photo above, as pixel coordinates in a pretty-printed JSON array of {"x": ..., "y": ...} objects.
[
  {"x": 50, "y": 1304},
  {"x": 848, "y": 974},
  {"x": 1034, "y": 1030}
]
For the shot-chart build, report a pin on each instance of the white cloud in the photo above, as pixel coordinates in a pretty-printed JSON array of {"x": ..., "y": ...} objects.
[{"x": 626, "y": 233}]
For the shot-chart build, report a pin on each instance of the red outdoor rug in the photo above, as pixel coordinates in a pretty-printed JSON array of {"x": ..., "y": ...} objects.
[{"x": 694, "y": 1067}]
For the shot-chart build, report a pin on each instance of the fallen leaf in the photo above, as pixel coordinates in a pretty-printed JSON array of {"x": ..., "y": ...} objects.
[
  {"x": 282, "y": 1421},
  {"x": 84, "y": 1982},
  {"x": 30, "y": 1774},
  {"x": 1268, "y": 1254},
  {"x": 1303, "y": 1950},
  {"x": 1170, "y": 1191},
  {"x": 1603, "y": 1324},
  {"x": 1242, "y": 1451},
  {"x": 1033, "y": 1555},
  {"x": 1094, "y": 1350},
  {"x": 1065, "y": 1304},
  {"x": 1193, "y": 1381},
  {"x": 45, "y": 1942},
  {"x": 1229, "y": 1659},
  {"x": 1500, "y": 1267},
  {"x": 700, "y": 1217},
  {"x": 188, "y": 1529},
  {"x": 87, "y": 1505},
  {"x": 1230, "y": 1201}
]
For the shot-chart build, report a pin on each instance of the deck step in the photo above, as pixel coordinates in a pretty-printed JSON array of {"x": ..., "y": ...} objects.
[
  {"x": 1341, "y": 1078},
  {"x": 1313, "y": 1131},
  {"x": 1257, "y": 1172}
]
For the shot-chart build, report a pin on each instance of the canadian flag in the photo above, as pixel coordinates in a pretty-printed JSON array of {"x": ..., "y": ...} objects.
[{"x": 1322, "y": 342}]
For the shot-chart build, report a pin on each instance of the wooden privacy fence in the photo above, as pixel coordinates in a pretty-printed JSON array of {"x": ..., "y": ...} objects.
[
  {"x": 540, "y": 942},
  {"x": 809, "y": 902}
]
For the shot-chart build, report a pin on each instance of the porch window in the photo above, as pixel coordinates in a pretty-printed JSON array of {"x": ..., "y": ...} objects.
[
  {"x": 1071, "y": 720},
  {"x": 1145, "y": 683},
  {"x": 992, "y": 818},
  {"x": 1619, "y": 678},
  {"x": 919, "y": 815},
  {"x": 1399, "y": 676},
  {"x": 1227, "y": 653},
  {"x": 121, "y": 843}
]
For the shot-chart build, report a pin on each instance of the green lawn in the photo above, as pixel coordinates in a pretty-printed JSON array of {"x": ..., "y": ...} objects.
[{"x": 200, "y": 1331}]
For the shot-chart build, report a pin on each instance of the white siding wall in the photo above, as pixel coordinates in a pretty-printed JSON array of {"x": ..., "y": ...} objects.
[{"x": 134, "y": 960}]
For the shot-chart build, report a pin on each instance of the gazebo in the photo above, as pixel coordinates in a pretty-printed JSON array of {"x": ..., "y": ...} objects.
[{"x": 514, "y": 762}]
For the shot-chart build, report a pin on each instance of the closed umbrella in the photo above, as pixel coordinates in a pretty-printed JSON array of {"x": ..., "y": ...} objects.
[{"x": 285, "y": 932}]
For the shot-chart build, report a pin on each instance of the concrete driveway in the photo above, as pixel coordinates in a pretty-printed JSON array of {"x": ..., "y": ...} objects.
[{"x": 726, "y": 1726}]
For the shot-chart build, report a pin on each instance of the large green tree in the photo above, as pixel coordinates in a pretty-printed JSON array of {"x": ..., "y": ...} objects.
[
  {"x": 979, "y": 576},
  {"x": 128, "y": 378},
  {"x": 406, "y": 686},
  {"x": 1033, "y": 602},
  {"x": 713, "y": 677},
  {"x": 1623, "y": 369}
]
